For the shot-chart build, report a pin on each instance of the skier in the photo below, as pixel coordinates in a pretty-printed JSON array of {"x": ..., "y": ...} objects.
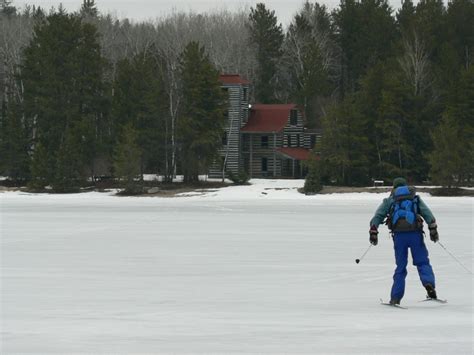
[{"x": 403, "y": 210}]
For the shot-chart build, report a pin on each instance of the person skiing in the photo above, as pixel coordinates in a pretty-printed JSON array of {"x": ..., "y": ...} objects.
[{"x": 403, "y": 211}]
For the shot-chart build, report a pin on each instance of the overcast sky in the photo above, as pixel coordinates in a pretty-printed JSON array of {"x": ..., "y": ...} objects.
[{"x": 150, "y": 9}]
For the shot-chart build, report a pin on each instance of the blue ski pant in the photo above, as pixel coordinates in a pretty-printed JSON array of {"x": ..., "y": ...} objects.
[{"x": 413, "y": 241}]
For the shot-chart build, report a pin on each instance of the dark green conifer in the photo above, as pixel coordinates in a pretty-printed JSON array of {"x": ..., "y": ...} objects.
[
  {"x": 313, "y": 182},
  {"x": 63, "y": 81},
  {"x": 201, "y": 123},
  {"x": 266, "y": 36},
  {"x": 14, "y": 142},
  {"x": 127, "y": 158},
  {"x": 89, "y": 8}
]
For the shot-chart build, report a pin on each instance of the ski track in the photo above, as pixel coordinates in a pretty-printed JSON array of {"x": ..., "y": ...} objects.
[{"x": 229, "y": 271}]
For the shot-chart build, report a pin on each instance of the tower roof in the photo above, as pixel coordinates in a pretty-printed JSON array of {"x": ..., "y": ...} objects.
[{"x": 232, "y": 79}]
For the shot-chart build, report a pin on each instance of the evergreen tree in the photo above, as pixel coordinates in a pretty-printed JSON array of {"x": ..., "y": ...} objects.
[
  {"x": 431, "y": 24},
  {"x": 345, "y": 145},
  {"x": 365, "y": 32},
  {"x": 42, "y": 168},
  {"x": 201, "y": 124},
  {"x": 382, "y": 101},
  {"x": 89, "y": 8},
  {"x": 6, "y": 8},
  {"x": 312, "y": 183},
  {"x": 452, "y": 159},
  {"x": 460, "y": 31},
  {"x": 14, "y": 142},
  {"x": 69, "y": 166},
  {"x": 139, "y": 100},
  {"x": 267, "y": 38},
  {"x": 448, "y": 158},
  {"x": 307, "y": 55},
  {"x": 397, "y": 122},
  {"x": 127, "y": 160},
  {"x": 406, "y": 18},
  {"x": 62, "y": 76},
  {"x": 392, "y": 125}
]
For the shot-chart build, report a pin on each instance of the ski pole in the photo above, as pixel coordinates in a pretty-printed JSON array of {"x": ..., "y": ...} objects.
[
  {"x": 447, "y": 251},
  {"x": 362, "y": 257}
]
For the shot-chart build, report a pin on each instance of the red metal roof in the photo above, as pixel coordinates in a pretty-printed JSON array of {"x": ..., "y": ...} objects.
[
  {"x": 232, "y": 79},
  {"x": 295, "y": 153},
  {"x": 268, "y": 118}
]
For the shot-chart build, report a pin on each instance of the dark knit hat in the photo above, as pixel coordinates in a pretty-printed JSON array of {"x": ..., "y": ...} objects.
[{"x": 399, "y": 181}]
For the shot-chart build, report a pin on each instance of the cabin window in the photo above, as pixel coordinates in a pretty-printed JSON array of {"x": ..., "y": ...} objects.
[
  {"x": 224, "y": 139},
  {"x": 245, "y": 94},
  {"x": 264, "y": 141},
  {"x": 298, "y": 140},
  {"x": 264, "y": 165},
  {"x": 313, "y": 141},
  {"x": 288, "y": 140},
  {"x": 293, "y": 117}
]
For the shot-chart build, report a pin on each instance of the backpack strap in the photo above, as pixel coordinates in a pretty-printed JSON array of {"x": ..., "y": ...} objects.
[{"x": 416, "y": 201}]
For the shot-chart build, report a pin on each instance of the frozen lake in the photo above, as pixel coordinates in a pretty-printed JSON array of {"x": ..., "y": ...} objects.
[{"x": 259, "y": 269}]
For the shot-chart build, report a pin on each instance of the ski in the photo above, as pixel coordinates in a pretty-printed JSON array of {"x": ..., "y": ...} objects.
[
  {"x": 428, "y": 299},
  {"x": 391, "y": 305}
]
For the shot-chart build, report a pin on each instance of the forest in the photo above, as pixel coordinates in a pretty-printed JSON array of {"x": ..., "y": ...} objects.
[{"x": 85, "y": 94}]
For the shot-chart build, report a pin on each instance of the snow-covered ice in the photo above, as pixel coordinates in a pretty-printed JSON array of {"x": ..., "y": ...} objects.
[{"x": 245, "y": 269}]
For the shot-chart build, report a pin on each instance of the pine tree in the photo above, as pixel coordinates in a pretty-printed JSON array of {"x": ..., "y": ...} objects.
[
  {"x": 62, "y": 76},
  {"x": 365, "y": 32},
  {"x": 406, "y": 18},
  {"x": 452, "y": 159},
  {"x": 14, "y": 142},
  {"x": 42, "y": 168},
  {"x": 89, "y": 8},
  {"x": 312, "y": 183},
  {"x": 201, "y": 124},
  {"x": 139, "y": 100},
  {"x": 448, "y": 158},
  {"x": 345, "y": 144},
  {"x": 460, "y": 14},
  {"x": 430, "y": 22},
  {"x": 6, "y": 8},
  {"x": 381, "y": 102},
  {"x": 267, "y": 38},
  {"x": 69, "y": 175},
  {"x": 308, "y": 55},
  {"x": 127, "y": 158}
]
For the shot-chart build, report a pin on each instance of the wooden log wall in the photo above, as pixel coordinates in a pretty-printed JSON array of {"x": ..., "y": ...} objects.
[{"x": 237, "y": 116}]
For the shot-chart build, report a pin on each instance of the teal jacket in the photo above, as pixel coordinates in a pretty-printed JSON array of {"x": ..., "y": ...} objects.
[{"x": 384, "y": 208}]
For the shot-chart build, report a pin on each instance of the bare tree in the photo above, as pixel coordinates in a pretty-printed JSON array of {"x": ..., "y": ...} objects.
[
  {"x": 415, "y": 64},
  {"x": 311, "y": 59},
  {"x": 170, "y": 41},
  {"x": 15, "y": 34}
]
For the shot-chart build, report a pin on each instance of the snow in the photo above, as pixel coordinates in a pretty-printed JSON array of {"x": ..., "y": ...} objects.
[{"x": 243, "y": 269}]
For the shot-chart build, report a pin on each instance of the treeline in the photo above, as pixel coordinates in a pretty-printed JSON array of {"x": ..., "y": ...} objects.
[{"x": 85, "y": 94}]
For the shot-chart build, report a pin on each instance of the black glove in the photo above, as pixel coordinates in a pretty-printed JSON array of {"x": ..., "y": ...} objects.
[
  {"x": 373, "y": 235},
  {"x": 434, "y": 236}
]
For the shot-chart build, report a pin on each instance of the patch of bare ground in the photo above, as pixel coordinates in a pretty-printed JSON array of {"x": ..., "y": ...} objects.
[
  {"x": 175, "y": 189},
  {"x": 6, "y": 188},
  {"x": 348, "y": 189}
]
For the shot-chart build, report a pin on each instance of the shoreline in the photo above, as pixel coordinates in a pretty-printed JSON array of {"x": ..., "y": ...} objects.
[{"x": 176, "y": 190}]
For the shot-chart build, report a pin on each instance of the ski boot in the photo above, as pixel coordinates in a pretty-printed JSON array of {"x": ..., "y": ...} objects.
[
  {"x": 431, "y": 292},
  {"x": 394, "y": 301}
]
